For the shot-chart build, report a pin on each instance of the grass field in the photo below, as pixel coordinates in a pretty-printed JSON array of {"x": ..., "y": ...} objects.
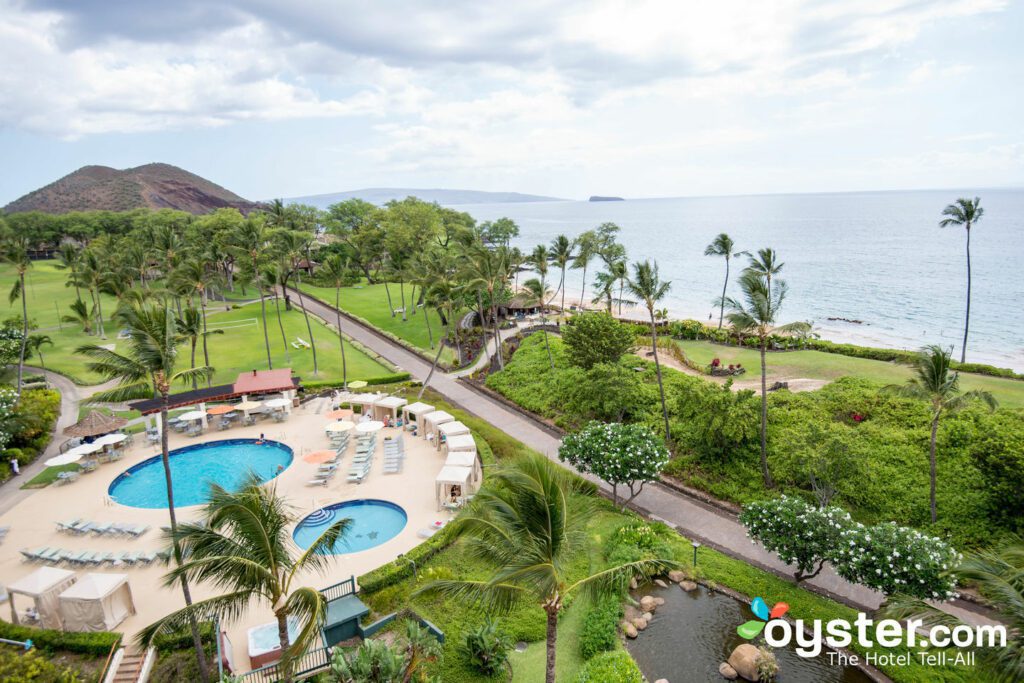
[
  {"x": 829, "y": 366},
  {"x": 370, "y": 303}
]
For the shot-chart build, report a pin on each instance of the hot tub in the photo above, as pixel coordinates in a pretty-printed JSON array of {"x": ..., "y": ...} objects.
[{"x": 265, "y": 644}]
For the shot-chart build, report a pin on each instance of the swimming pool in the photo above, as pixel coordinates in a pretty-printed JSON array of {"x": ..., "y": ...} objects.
[
  {"x": 194, "y": 468},
  {"x": 373, "y": 523}
]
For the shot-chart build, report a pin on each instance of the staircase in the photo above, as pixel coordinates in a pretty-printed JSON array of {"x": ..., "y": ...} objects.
[{"x": 132, "y": 668}]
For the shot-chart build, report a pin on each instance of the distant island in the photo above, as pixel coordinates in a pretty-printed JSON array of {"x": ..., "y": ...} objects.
[
  {"x": 599, "y": 198},
  {"x": 382, "y": 195}
]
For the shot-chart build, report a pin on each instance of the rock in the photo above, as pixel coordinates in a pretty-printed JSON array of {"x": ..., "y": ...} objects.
[
  {"x": 688, "y": 586},
  {"x": 659, "y": 601},
  {"x": 743, "y": 660},
  {"x": 728, "y": 673},
  {"x": 647, "y": 616},
  {"x": 629, "y": 630},
  {"x": 639, "y": 624},
  {"x": 661, "y": 680},
  {"x": 661, "y": 583},
  {"x": 675, "y": 576},
  {"x": 647, "y": 604},
  {"x": 632, "y": 584},
  {"x": 630, "y": 613}
]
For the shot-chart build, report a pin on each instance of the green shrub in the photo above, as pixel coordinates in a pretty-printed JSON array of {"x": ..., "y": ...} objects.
[
  {"x": 611, "y": 667},
  {"x": 401, "y": 568},
  {"x": 486, "y": 648},
  {"x": 600, "y": 627},
  {"x": 998, "y": 453},
  {"x": 592, "y": 338},
  {"x": 182, "y": 640},
  {"x": 97, "y": 644},
  {"x": 21, "y": 667},
  {"x": 180, "y": 665},
  {"x": 321, "y": 385}
]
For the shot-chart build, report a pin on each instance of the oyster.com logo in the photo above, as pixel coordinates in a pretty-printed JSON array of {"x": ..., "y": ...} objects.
[{"x": 753, "y": 628}]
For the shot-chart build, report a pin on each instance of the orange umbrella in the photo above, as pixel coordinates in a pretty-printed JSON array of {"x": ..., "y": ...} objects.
[
  {"x": 221, "y": 410},
  {"x": 318, "y": 457},
  {"x": 340, "y": 414}
]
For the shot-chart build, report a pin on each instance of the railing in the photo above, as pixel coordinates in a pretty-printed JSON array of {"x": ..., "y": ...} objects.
[
  {"x": 371, "y": 629},
  {"x": 339, "y": 590},
  {"x": 116, "y": 652},
  {"x": 147, "y": 665},
  {"x": 313, "y": 662}
]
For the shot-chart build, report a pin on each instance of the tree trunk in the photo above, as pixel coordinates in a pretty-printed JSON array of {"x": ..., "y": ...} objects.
[
  {"x": 309, "y": 328},
  {"x": 657, "y": 369},
  {"x": 721, "y": 303},
  {"x": 483, "y": 324},
  {"x": 412, "y": 299},
  {"x": 391, "y": 306},
  {"x": 583, "y": 290},
  {"x": 341, "y": 337},
  {"x": 280, "y": 323},
  {"x": 563, "y": 290},
  {"x": 401, "y": 292},
  {"x": 263, "y": 312},
  {"x": 967, "y": 318},
  {"x": 195, "y": 382},
  {"x": 24, "y": 331},
  {"x": 621, "y": 286},
  {"x": 99, "y": 316},
  {"x": 497, "y": 335},
  {"x": 764, "y": 419},
  {"x": 206, "y": 351},
  {"x": 433, "y": 366},
  {"x": 932, "y": 468},
  {"x": 426, "y": 318},
  {"x": 286, "y": 665},
  {"x": 552, "y": 641}
]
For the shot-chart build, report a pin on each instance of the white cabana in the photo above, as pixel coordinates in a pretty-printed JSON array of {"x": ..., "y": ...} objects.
[
  {"x": 460, "y": 442},
  {"x": 97, "y": 602},
  {"x": 415, "y": 412},
  {"x": 452, "y": 480},
  {"x": 432, "y": 420},
  {"x": 388, "y": 407},
  {"x": 450, "y": 429},
  {"x": 42, "y": 586},
  {"x": 466, "y": 459},
  {"x": 364, "y": 401}
]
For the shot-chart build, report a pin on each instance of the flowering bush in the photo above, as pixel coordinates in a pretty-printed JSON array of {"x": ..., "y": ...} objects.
[
  {"x": 8, "y": 399},
  {"x": 628, "y": 454},
  {"x": 800, "y": 533}
]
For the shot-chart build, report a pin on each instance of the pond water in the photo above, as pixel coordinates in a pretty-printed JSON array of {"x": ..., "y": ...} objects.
[{"x": 692, "y": 633}]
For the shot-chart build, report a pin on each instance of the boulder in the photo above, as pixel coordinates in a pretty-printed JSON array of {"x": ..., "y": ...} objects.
[
  {"x": 646, "y": 616},
  {"x": 661, "y": 680},
  {"x": 647, "y": 604},
  {"x": 629, "y": 612},
  {"x": 660, "y": 583},
  {"x": 743, "y": 660},
  {"x": 727, "y": 672},
  {"x": 659, "y": 601},
  {"x": 639, "y": 624},
  {"x": 629, "y": 630},
  {"x": 676, "y": 576},
  {"x": 688, "y": 586}
]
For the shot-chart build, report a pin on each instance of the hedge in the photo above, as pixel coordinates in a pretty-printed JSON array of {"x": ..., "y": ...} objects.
[
  {"x": 96, "y": 644},
  {"x": 320, "y": 385},
  {"x": 600, "y": 627},
  {"x": 611, "y": 667},
  {"x": 401, "y": 569},
  {"x": 182, "y": 640}
]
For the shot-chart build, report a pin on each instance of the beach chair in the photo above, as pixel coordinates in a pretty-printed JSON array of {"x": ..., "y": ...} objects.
[
  {"x": 358, "y": 473},
  {"x": 153, "y": 437},
  {"x": 102, "y": 528},
  {"x": 82, "y": 527},
  {"x": 147, "y": 557},
  {"x": 224, "y": 424},
  {"x": 67, "y": 477},
  {"x": 68, "y": 524},
  {"x": 249, "y": 421},
  {"x": 136, "y": 530},
  {"x": 89, "y": 466},
  {"x": 34, "y": 555},
  {"x": 318, "y": 481},
  {"x": 105, "y": 557},
  {"x": 394, "y": 467}
]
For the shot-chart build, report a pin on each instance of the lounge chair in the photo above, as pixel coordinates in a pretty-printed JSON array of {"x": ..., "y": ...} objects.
[
  {"x": 83, "y": 527},
  {"x": 34, "y": 555},
  {"x": 68, "y": 524},
  {"x": 103, "y": 528},
  {"x": 147, "y": 557},
  {"x": 358, "y": 473},
  {"x": 67, "y": 477},
  {"x": 137, "y": 530},
  {"x": 319, "y": 481},
  {"x": 249, "y": 420},
  {"x": 105, "y": 557}
]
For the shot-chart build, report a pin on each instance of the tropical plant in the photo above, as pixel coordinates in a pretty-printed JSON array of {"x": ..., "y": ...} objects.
[
  {"x": 242, "y": 545},
  {"x": 36, "y": 342},
  {"x": 530, "y": 524},
  {"x": 81, "y": 315},
  {"x": 191, "y": 329},
  {"x": 487, "y": 271},
  {"x": 15, "y": 252},
  {"x": 560, "y": 254},
  {"x": 537, "y": 293},
  {"x": 766, "y": 264},
  {"x": 934, "y": 383},
  {"x": 294, "y": 247},
  {"x": 586, "y": 249},
  {"x": 376, "y": 661},
  {"x": 647, "y": 286},
  {"x": 486, "y": 648},
  {"x": 593, "y": 338},
  {"x": 965, "y": 212},
  {"x": 194, "y": 277},
  {"x": 334, "y": 268},
  {"x": 723, "y": 246},
  {"x": 249, "y": 241}
]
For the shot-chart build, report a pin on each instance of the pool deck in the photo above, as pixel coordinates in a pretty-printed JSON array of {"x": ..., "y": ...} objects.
[{"x": 33, "y": 520}]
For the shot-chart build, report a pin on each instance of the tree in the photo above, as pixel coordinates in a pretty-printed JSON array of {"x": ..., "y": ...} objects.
[
  {"x": 560, "y": 254},
  {"x": 619, "y": 454},
  {"x": 998, "y": 452},
  {"x": 537, "y": 294},
  {"x": 376, "y": 661},
  {"x": 607, "y": 391},
  {"x": 647, "y": 286},
  {"x": 190, "y": 327},
  {"x": 442, "y": 289},
  {"x": 294, "y": 247},
  {"x": 194, "y": 278},
  {"x": 487, "y": 271},
  {"x": 932, "y": 382},
  {"x": 965, "y": 212},
  {"x": 723, "y": 246},
  {"x": 82, "y": 315},
  {"x": 250, "y": 242},
  {"x": 801, "y": 534},
  {"x": 719, "y": 421},
  {"x": 35, "y": 345},
  {"x": 528, "y": 524},
  {"x": 766, "y": 264},
  {"x": 147, "y": 370},
  {"x": 16, "y": 253},
  {"x": 243, "y": 546},
  {"x": 592, "y": 338},
  {"x": 586, "y": 249},
  {"x": 498, "y": 232},
  {"x": 334, "y": 269}
]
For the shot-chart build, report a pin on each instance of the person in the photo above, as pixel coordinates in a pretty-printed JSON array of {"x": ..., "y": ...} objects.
[
  {"x": 259, "y": 441},
  {"x": 14, "y": 466}
]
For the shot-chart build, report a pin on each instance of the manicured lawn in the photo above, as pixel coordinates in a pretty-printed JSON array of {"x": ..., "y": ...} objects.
[
  {"x": 370, "y": 303},
  {"x": 47, "y": 294},
  {"x": 48, "y": 476},
  {"x": 783, "y": 365}
]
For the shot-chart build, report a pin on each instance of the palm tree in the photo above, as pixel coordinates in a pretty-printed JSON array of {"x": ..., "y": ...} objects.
[
  {"x": 933, "y": 382},
  {"x": 648, "y": 287},
  {"x": 996, "y": 574},
  {"x": 560, "y": 254},
  {"x": 537, "y": 293},
  {"x": 148, "y": 370},
  {"x": 531, "y": 525},
  {"x": 191, "y": 327},
  {"x": 334, "y": 268},
  {"x": 765, "y": 263},
  {"x": 487, "y": 271},
  {"x": 723, "y": 246},
  {"x": 586, "y": 246},
  {"x": 244, "y": 547},
  {"x": 16, "y": 253},
  {"x": 294, "y": 247},
  {"x": 194, "y": 276},
  {"x": 965, "y": 212},
  {"x": 756, "y": 314},
  {"x": 250, "y": 241},
  {"x": 272, "y": 275},
  {"x": 442, "y": 289},
  {"x": 92, "y": 272},
  {"x": 83, "y": 315},
  {"x": 68, "y": 258},
  {"x": 36, "y": 343}
]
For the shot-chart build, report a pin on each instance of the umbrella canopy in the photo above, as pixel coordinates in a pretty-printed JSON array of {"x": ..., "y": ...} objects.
[
  {"x": 342, "y": 426},
  {"x": 249, "y": 405},
  {"x": 317, "y": 457},
  {"x": 340, "y": 414},
  {"x": 96, "y": 423},
  {"x": 278, "y": 403},
  {"x": 369, "y": 427},
  {"x": 192, "y": 415},
  {"x": 63, "y": 459},
  {"x": 358, "y": 384},
  {"x": 110, "y": 439},
  {"x": 221, "y": 410}
]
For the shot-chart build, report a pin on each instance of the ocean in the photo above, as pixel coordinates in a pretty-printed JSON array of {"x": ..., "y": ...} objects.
[{"x": 877, "y": 257}]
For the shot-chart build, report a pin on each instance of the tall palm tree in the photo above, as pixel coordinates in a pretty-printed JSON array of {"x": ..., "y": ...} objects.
[
  {"x": 996, "y": 574},
  {"x": 531, "y": 525},
  {"x": 765, "y": 263},
  {"x": 243, "y": 546},
  {"x": 965, "y": 212},
  {"x": 537, "y": 293},
  {"x": 334, "y": 269},
  {"x": 648, "y": 287},
  {"x": 586, "y": 249},
  {"x": 756, "y": 314},
  {"x": 15, "y": 252},
  {"x": 933, "y": 382},
  {"x": 35, "y": 345},
  {"x": 93, "y": 276},
  {"x": 560, "y": 254},
  {"x": 191, "y": 327},
  {"x": 250, "y": 242},
  {"x": 148, "y": 370},
  {"x": 486, "y": 271},
  {"x": 723, "y": 246},
  {"x": 68, "y": 258},
  {"x": 194, "y": 276},
  {"x": 442, "y": 289},
  {"x": 294, "y": 247},
  {"x": 272, "y": 276}
]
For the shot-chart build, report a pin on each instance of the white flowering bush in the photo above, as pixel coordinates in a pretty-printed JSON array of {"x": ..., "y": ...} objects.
[
  {"x": 801, "y": 534},
  {"x": 896, "y": 559},
  {"x": 620, "y": 454},
  {"x": 8, "y": 401}
]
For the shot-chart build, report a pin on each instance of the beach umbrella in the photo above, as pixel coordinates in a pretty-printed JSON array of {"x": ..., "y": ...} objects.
[
  {"x": 249, "y": 405},
  {"x": 336, "y": 427},
  {"x": 339, "y": 414},
  {"x": 278, "y": 403},
  {"x": 192, "y": 415},
  {"x": 223, "y": 409},
  {"x": 110, "y": 439},
  {"x": 317, "y": 457},
  {"x": 63, "y": 459},
  {"x": 358, "y": 384},
  {"x": 369, "y": 427},
  {"x": 94, "y": 424}
]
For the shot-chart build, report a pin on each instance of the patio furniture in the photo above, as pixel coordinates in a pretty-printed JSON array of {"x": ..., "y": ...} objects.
[
  {"x": 89, "y": 466},
  {"x": 67, "y": 477}
]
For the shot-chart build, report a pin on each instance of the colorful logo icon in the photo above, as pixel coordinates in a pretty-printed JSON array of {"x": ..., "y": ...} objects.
[{"x": 753, "y": 628}]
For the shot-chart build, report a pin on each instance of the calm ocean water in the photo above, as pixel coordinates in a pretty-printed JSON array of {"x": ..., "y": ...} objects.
[{"x": 879, "y": 257}]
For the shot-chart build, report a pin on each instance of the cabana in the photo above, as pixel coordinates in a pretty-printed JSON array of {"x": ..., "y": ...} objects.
[
  {"x": 364, "y": 401},
  {"x": 43, "y": 586},
  {"x": 387, "y": 407},
  {"x": 450, "y": 429},
  {"x": 431, "y": 421},
  {"x": 415, "y": 412},
  {"x": 460, "y": 442},
  {"x": 467, "y": 459},
  {"x": 97, "y": 602},
  {"x": 452, "y": 479},
  {"x": 95, "y": 424}
]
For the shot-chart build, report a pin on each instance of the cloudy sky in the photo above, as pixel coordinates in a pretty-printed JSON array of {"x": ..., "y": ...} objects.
[{"x": 631, "y": 97}]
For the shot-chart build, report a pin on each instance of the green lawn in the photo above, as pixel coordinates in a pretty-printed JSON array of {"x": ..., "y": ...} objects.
[
  {"x": 370, "y": 303},
  {"x": 784, "y": 365},
  {"x": 48, "y": 476}
]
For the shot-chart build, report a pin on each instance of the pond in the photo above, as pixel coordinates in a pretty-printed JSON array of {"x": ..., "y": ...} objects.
[{"x": 692, "y": 633}]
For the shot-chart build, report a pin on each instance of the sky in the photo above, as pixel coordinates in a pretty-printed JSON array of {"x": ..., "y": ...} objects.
[{"x": 638, "y": 98}]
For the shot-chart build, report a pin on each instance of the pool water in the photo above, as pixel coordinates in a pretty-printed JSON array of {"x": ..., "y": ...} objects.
[
  {"x": 372, "y": 522},
  {"x": 194, "y": 468}
]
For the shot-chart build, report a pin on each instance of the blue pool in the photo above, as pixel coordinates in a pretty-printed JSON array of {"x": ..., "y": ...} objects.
[
  {"x": 194, "y": 468},
  {"x": 373, "y": 523}
]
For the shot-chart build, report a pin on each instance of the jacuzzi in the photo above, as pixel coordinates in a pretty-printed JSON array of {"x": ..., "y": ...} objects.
[{"x": 265, "y": 644}]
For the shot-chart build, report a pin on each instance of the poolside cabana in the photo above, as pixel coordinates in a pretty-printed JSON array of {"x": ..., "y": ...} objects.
[
  {"x": 459, "y": 442},
  {"x": 452, "y": 480},
  {"x": 364, "y": 401},
  {"x": 431, "y": 421},
  {"x": 467, "y": 459},
  {"x": 450, "y": 429},
  {"x": 414, "y": 412},
  {"x": 97, "y": 602},
  {"x": 388, "y": 407},
  {"x": 43, "y": 586}
]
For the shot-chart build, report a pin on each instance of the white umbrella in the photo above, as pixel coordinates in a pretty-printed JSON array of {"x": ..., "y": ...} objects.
[
  {"x": 278, "y": 403},
  {"x": 249, "y": 405},
  {"x": 110, "y": 439},
  {"x": 192, "y": 415},
  {"x": 63, "y": 459},
  {"x": 342, "y": 426},
  {"x": 369, "y": 427}
]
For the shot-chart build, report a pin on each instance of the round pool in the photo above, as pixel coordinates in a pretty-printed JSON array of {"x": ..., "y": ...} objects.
[
  {"x": 373, "y": 523},
  {"x": 194, "y": 468}
]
